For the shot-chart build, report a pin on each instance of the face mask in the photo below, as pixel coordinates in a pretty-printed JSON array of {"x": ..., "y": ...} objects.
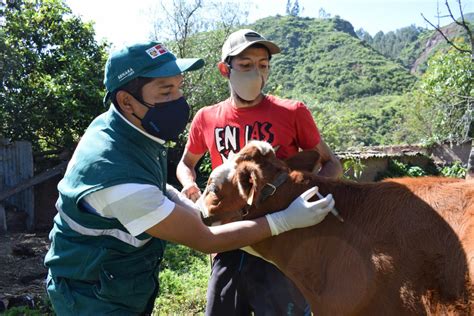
[
  {"x": 165, "y": 120},
  {"x": 247, "y": 84}
]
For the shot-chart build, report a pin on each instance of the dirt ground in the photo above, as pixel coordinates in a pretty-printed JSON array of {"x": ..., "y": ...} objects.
[{"x": 22, "y": 273}]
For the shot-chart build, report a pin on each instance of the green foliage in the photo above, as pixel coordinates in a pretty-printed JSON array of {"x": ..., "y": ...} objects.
[
  {"x": 396, "y": 44},
  {"x": 377, "y": 120},
  {"x": 353, "y": 168},
  {"x": 52, "y": 75},
  {"x": 183, "y": 282},
  {"x": 414, "y": 54},
  {"x": 205, "y": 86},
  {"x": 205, "y": 168},
  {"x": 445, "y": 98},
  {"x": 456, "y": 170},
  {"x": 399, "y": 169}
]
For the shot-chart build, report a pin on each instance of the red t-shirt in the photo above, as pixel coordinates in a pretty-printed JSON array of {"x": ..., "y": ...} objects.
[{"x": 222, "y": 128}]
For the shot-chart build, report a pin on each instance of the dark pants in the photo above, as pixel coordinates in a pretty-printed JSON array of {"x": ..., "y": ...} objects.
[{"x": 241, "y": 283}]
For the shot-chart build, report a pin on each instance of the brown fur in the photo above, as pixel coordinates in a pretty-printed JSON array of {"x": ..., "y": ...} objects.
[{"x": 406, "y": 246}]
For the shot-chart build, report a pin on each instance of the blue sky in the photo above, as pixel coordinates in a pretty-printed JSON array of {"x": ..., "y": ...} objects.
[{"x": 122, "y": 21}]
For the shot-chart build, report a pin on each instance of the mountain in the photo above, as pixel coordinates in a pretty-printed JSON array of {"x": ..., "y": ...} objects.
[
  {"x": 469, "y": 17},
  {"x": 432, "y": 41},
  {"x": 324, "y": 60},
  {"x": 412, "y": 46}
]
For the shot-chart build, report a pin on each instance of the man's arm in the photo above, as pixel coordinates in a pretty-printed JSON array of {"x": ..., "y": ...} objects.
[
  {"x": 330, "y": 164},
  {"x": 184, "y": 225},
  {"x": 186, "y": 175}
]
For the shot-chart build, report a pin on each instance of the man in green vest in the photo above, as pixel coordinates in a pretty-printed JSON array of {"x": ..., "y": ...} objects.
[{"x": 115, "y": 209}]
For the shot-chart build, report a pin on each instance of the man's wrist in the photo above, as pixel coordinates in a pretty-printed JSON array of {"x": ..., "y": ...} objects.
[
  {"x": 272, "y": 223},
  {"x": 189, "y": 184}
]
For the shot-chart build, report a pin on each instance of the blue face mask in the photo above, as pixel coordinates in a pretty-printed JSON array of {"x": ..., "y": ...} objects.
[{"x": 165, "y": 120}]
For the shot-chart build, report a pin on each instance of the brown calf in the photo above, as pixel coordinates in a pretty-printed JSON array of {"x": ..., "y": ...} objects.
[{"x": 406, "y": 246}]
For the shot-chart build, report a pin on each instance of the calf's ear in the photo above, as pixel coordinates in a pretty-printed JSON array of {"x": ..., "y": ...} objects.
[
  {"x": 249, "y": 177},
  {"x": 306, "y": 160}
]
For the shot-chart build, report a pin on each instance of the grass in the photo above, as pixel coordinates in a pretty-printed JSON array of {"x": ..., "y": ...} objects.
[{"x": 183, "y": 282}]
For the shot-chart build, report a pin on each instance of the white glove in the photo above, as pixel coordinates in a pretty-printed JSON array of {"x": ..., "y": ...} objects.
[
  {"x": 300, "y": 213},
  {"x": 179, "y": 198}
]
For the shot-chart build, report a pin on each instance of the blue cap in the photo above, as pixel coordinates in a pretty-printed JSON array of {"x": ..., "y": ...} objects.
[{"x": 149, "y": 59}]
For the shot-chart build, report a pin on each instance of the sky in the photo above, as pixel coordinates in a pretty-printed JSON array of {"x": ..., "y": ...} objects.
[{"x": 125, "y": 21}]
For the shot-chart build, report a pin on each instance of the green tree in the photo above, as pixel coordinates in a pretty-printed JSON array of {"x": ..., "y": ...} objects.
[
  {"x": 445, "y": 98},
  {"x": 292, "y": 9},
  {"x": 396, "y": 44},
  {"x": 364, "y": 36},
  {"x": 295, "y": 10},
  {"x": 51, "y": 76}
]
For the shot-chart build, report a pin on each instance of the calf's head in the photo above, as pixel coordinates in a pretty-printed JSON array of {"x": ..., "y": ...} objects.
[{"x": 236, "y": 189}]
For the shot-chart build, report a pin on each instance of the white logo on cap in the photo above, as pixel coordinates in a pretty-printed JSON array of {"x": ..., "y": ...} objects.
[
  {"x": 125, "y": 74},
  {"x": 156, "y": 51}
]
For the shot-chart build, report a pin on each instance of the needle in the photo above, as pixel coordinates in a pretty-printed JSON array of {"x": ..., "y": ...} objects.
[{"x": 333, "y": 211}]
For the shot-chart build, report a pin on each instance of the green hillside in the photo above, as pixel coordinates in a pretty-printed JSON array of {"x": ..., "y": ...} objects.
[
  {"x": 324, "y": 60},
  {"x": 412, "y": 46},
  {"x": 431, "y": 42}
]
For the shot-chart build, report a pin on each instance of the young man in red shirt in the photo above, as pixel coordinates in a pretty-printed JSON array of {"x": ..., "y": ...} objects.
[{"x": 241, "y": 283}]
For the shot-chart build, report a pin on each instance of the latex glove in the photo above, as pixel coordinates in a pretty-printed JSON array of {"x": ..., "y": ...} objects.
[
  {"x": 300, "y": 213},
  {"x": 191, "y": 191},
  {"x": 174, "y": 195},
  {"x": 199, "y": 204}
]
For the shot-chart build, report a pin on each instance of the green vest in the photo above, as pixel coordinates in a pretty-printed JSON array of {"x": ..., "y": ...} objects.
[{"x": 98, "y": 250}]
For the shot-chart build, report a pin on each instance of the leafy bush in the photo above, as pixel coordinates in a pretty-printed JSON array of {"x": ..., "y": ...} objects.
[
  {"x": 353, "y": 166},
  {"x": 399, "y": 169},
  {"x": 456, "y": 170}
]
